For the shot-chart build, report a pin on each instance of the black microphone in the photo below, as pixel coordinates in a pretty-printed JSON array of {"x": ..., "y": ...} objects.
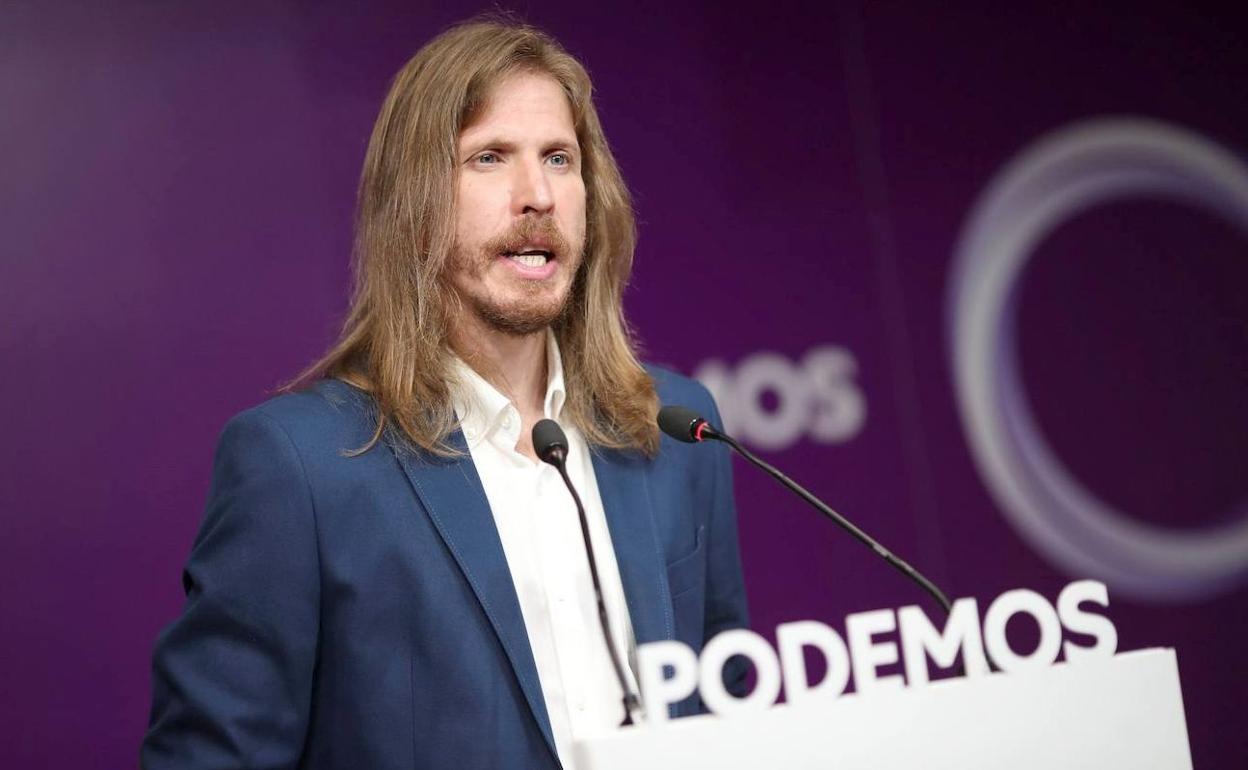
[
  {"x": 690, "y": 427},
  {"x": 551, "y": 445}
]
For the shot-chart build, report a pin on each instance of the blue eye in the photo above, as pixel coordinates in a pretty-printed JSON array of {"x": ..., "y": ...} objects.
[
  {"x": 560, "y": 159},
  {"x": 487, "y": 158}
]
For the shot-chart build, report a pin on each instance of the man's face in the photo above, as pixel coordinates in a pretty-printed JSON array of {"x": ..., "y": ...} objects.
[{"x": 520, "y": 207}]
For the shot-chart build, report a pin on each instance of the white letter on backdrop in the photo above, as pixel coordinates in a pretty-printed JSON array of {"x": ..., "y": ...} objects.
[
  {"x": 791, "y": 638},
  {"x": 739, "y": 641},
  {"x": 867, "y": 655},
  {"x": 1005, "y": 607},
  {"x": 657, "y": 690},
  {"x": 919, "y": 638},
  {"x": 1098, "y": 627}
]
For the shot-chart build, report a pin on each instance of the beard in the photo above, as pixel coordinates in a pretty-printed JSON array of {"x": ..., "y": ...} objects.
[
  {"x": 530, "y": 306},
  {"x": 520, "y": 318}
]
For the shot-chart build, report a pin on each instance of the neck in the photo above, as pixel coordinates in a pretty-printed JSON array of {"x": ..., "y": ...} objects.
[{"x": 514, "y": 364}]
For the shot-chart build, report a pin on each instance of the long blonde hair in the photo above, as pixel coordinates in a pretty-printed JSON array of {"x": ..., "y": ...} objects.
[{"x": 394, "y": 341}]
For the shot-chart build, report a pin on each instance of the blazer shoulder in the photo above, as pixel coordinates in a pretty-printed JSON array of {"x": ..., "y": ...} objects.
[
  {"x": 675, "y": 388},
  {"x": 328, "y": 414}
]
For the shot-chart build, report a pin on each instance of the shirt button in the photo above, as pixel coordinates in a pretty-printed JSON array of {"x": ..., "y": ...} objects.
[{"x": 507, "y": 421}]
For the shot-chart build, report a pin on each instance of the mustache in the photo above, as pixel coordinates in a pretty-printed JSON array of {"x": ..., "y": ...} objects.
[{"x": 540, "y": 232}]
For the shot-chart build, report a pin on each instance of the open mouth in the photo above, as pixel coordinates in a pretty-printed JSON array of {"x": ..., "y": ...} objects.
[{"x": 530, "y": 257}]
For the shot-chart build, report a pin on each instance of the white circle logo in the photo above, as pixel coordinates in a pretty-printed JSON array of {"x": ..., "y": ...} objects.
[{"x": 1061, "y": 174}]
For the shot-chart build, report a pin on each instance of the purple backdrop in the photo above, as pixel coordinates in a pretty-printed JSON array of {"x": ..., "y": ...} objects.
[{"x": 175, "y": 218}]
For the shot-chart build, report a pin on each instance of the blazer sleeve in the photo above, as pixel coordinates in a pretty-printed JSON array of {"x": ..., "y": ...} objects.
[
  {"x": 725, "y": 589},
  {"x": 232, "y": 677}
]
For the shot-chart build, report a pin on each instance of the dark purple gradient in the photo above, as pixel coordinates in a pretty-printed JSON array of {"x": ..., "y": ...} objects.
[{"x": 176, "y": 206}]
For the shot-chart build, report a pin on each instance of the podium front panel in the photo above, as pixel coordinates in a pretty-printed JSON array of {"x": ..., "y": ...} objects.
[{"x": 1119, "y": 712}]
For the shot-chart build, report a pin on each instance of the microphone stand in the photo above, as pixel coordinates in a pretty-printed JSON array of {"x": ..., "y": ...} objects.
[
  {"x": 552, "y": 448},
  {"x": 684, "y": 424},
  {"x": 896, "y": 561}
]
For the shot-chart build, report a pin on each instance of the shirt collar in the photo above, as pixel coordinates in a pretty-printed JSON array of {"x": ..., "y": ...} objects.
[
  {"x": 556, "y": 393},
  {"x": 483, "y": 411}
]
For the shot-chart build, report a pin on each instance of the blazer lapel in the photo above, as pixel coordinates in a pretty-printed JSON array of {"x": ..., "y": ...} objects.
[
  {"x": 451, "y": 492},
  {"x": 625, "y": 493}
]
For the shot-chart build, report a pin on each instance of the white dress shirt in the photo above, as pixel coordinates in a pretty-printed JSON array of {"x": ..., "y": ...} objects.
[{"x": 541, "y": 536}]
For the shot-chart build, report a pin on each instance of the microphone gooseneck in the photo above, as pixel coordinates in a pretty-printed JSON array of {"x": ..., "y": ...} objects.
[
  {"x": 551, "y": 445},
  {"x": 686, "y": 425}
]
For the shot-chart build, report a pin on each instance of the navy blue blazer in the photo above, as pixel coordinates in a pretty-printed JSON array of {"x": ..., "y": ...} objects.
[{"x": 358, "y": 612}]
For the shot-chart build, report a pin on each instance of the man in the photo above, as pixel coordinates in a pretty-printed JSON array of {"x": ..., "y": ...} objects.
[{"x": 386, "y": 576}]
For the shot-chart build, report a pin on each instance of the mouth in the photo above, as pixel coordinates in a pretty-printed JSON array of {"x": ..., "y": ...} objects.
[{"x": 530, "y": 258}]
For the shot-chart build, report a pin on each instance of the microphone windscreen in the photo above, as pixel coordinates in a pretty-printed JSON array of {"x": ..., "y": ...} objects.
[
  {"x": 680, "y": 423},
  {"x": 546, "y": 436}
]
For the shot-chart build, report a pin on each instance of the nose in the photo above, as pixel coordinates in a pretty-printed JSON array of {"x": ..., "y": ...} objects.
[{"x": 531, "y": 193}]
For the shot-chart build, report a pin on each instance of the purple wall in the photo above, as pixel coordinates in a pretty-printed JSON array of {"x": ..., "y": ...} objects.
[{"x": 175, "y": 223}]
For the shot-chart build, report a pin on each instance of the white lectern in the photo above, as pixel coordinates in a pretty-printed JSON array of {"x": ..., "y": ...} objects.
[{"x": 1119, "y": 712}]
